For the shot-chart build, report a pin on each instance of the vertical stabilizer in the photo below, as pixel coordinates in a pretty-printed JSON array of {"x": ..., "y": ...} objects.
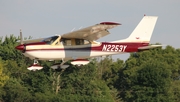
[{"x": 144, "y": 29}]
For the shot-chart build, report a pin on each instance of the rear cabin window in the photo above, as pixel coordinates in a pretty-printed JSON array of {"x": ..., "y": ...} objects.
[
  {"x": 79, "y": 41},
  {"x": 68, "y": 42}
]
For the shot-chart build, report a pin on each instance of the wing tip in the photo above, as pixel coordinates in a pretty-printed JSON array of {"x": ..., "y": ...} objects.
[{"x": 110, "y": 23}]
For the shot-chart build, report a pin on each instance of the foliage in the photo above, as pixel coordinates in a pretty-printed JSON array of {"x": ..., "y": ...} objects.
[
  {"x": 14, "y": 91},
  {"x": 81, "y": 84},
  {"x": 149, "y": 76},
  {"x": 3, "y": 76}
]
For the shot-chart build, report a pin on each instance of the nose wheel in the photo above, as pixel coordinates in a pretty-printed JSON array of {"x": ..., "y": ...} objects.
[{"x": 35, "y": 61}]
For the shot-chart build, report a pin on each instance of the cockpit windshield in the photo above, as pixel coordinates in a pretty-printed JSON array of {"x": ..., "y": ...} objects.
[{"x": 50, "y": 40}]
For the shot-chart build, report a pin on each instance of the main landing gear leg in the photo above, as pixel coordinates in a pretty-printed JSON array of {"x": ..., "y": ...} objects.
[{"x": 60, "y": 66}]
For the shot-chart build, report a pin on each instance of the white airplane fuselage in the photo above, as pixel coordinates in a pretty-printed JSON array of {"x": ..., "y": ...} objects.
[{"x": 42, "y": 51}]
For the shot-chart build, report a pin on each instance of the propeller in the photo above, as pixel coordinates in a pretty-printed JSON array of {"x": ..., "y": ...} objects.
[
  {"x": 21, "y": 38},
  {"x": 22, "y": 46}
]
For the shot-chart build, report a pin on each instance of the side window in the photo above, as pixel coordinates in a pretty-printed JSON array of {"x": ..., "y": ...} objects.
[
  {"x": 79, "y": 41},
  {"x": 69, "y": 42},
  {"x": 86, "y": 42},
  {"x": 65, "y": 42}
]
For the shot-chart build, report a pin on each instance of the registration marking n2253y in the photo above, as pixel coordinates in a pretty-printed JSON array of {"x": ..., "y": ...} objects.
[{"x": 114, "y": 48}]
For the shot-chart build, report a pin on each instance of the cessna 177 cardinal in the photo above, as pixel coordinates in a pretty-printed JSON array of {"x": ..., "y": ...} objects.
[{"x": 79, "y": 45}]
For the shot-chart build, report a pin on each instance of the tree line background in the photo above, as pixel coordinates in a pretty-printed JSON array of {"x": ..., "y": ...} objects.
[{"x": 150, "y": 76}]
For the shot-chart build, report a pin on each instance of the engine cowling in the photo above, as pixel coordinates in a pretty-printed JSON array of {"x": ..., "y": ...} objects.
[{"x": 21, "y": 47}]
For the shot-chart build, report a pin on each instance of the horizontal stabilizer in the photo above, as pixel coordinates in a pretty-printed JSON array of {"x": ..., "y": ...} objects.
[{"x": 149, "y": 47}]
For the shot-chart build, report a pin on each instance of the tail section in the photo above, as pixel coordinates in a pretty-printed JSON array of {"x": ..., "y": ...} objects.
[
  {"x": 144, "y": 29},
  {"x": 142, "y": 33}
]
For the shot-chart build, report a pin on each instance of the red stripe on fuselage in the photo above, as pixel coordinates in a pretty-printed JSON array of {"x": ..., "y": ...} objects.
[
  {"x": 105, "y": 47},
  {"x": 119, "y": 47}
]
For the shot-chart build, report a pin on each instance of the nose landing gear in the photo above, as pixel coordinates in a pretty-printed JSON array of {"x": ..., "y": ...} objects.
[{"x": 35, "y": 66}]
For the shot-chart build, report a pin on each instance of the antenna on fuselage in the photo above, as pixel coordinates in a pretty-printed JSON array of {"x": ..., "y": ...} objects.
[
  {"x": 80, "y": 27},
  {"x": 73, "y": 29}
]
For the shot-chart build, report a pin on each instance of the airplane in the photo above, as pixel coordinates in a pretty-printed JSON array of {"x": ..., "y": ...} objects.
[{"x": 77, "y": 46}]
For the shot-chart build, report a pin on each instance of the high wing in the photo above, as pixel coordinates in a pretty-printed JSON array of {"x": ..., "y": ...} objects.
[{"x": 93, "y": 32}]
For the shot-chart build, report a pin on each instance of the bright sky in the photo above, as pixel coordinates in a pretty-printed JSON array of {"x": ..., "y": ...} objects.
[{"x": 43, "y": 18}]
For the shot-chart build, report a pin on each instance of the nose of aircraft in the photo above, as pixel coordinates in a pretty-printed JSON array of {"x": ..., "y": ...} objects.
[{"x": 20, "y": 47}]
